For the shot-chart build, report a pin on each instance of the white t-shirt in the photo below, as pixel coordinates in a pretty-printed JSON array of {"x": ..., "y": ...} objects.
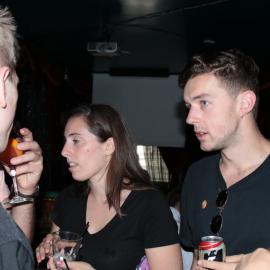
[{"x": 187, "y": 256}]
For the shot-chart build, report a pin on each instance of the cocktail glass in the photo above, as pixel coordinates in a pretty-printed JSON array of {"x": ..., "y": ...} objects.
[{"x": 5, "y": 157}]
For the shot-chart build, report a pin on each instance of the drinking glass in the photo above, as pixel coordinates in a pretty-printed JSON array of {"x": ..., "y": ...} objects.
[
  {"x": 5, "y": 157},
  {"x": 65, "y": 246}
]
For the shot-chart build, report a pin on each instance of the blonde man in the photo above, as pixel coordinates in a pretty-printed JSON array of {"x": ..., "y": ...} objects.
[{"x": 15, "y": 250}]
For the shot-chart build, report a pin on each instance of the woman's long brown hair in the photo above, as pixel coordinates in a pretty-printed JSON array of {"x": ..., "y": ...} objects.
[{"x": 124, "y": 170}]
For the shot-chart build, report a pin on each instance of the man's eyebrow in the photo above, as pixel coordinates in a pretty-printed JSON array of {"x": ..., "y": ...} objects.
[{"x": 201, "y": 96}]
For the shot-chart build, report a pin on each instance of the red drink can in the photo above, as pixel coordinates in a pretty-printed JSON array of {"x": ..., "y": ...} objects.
[{"x": 212, "y": 248}]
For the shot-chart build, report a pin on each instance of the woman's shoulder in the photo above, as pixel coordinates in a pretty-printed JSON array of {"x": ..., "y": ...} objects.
[
  {"x": 152, "y": 191},
  {"x": 148, "y": 196}
]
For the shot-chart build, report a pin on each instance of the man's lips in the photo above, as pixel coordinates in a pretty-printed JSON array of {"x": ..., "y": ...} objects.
[{"x": 200, "y": 134}]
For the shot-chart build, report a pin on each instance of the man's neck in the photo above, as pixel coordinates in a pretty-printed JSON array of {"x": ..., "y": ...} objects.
[{"x": 240, "y": 160}]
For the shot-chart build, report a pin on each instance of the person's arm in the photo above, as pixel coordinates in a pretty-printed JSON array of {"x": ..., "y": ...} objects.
[
  {"x": 14, "y": 256},
  {"x": 258, "y": 259},
  {"x": 165, "y": 257},
  {"x": 195, "y": 256},
  {"x": 4, "y": 190},
  {"x": 54, "y": 228},
  {"x": 28, "y": 171},
  {"x": 23, "y": 215}
]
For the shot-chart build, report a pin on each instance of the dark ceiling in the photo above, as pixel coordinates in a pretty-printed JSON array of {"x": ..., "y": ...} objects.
[
  {"x": 151, "y": 34},
  {"x": 157, "y": 34}
]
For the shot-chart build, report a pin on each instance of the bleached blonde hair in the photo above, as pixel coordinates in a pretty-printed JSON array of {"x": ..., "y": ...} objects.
[{"x": 8, "y": 39}]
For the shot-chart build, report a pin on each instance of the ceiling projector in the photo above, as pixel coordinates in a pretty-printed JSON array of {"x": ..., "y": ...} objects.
[{"x": 103, "y": 48}]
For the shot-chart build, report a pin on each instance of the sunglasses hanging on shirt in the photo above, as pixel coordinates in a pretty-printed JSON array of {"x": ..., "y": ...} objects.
[{"x": 217, "y": 221}]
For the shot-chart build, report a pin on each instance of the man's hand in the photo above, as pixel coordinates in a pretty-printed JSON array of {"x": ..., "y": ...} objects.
[
  {"x": 230, "y": 264},
  {"x": 259, "y": 259},
  {"x": 28, "y": 171},
  {"x": 29, "y": 165}
]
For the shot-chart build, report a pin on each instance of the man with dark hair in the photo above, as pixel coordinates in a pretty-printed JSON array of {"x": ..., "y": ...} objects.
[
  {"x": 15, "y": 250},
  {"x": 226, "y": 194}
]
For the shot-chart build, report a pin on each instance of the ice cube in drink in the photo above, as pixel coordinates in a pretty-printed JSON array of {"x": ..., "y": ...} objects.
[{"x": 59, "y": 259}]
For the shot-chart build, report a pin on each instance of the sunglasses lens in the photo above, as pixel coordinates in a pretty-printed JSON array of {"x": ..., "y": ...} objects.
[
  {"x": 221, "y": 198},
  {"x": 216, "y": 224}
]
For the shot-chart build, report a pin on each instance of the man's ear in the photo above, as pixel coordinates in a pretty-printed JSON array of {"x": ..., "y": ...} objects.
[
  {"x": 4, "y": 73},
  {"x": 109, "y": 146},
  {"x": 247, "y": 102}
]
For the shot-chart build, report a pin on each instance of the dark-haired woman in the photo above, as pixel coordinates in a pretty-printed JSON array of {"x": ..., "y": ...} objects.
[{"x": 130, "y": 222}]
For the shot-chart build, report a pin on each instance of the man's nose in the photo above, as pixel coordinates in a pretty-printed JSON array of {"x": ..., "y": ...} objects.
[{"x": 192, "y": 116}]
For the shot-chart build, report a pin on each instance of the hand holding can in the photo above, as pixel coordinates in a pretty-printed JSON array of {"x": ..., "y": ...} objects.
[{"x": 212, "y": 248}]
